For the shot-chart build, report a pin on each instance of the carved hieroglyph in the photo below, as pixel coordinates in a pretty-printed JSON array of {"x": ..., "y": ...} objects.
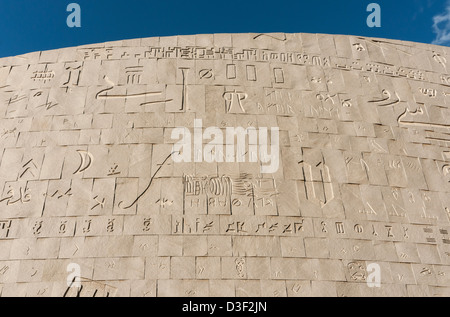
[{"x": 87, "y": 176}]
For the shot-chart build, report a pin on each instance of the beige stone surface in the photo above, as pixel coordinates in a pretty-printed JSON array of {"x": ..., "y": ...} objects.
[{"x": 363, "y": 177}]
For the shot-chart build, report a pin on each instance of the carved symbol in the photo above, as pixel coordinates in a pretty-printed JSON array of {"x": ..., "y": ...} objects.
[
  {"x": 347, "y": 103},
  {"x": 76, "y": 249},
  {"x": 281, "y": 37},
  {"x": 134, "y": 74},
  {"x": 86, "y": 161},
  {"x": 29, "y": 167},
  {"x": 290, "y": 228},
  {"x": 6, "y": 133},
  {"x": 37, "y": 228},
  {"x": 390, "y": 44},
  {"x": 377, "y": 147},
  {"x": 405, "y": 233},
  {"x": 279, "y": 75},
  {"x": 231, "y": 97},
  {"x": 184, "y": 72},
  {"x": 24, "y": 196},
  {"x": 206, "y": 73},
  {"x": 326, "y": 97},
  {"x": 426, "y": 271},
  {"x": 113, "y": 170},
  {"x": 102, "y": 94},
  {"x": 445, "y": 80},
  {"x": 418, "y": 112},
  {"x": 110, "y": 226},
  {"x": 100, "y": 203},
  {"x": 340, "y": 228},
  {"x": 385, "y": 102},
  {"x": 261, "y": 226},
  {"x": 5, "y": 225},
  {"x": 348, "y": 160},
  {"x": 425, "y": 215},
  {"x": 324, "y": 227},
  {"x": 44, "y": 75},
  {"x": 444, "y": 237},
  {"x": 371, "y": 211},
  {"x": 147, "y": 223},
  {"x": 55, "y": 194},
  {"x": 429, "y": 239},
  {"x": 41, "y": 292},
  {"x": 111, "y": 264},
  {"x": 446, "y": 172},
  {"x": 16, "y": 98},
  {"x": 251, "y": 73},
  {"x": 240, "y": 265},
  {"x": 89, "y": 288},
  {"x": 357, "y": 271},
  {"x": 296, "y": 288},
  {"x": 208, "y": 227},
  {"x": 359, "y": 229},
  {"x": 231, "y": 71},
  {"x": 281, "y": 109},
  {"x": 34, "y": 273},
  {"x": 359, "y": 47},
  {"x": 432, "y": 93},
  {"x": 236, "y": 227},
  {"x": 165, "y": 202},
  {"x": 191, "y": 292},
  {"x": 48, "y": 105},
  {"x": 4, "y": 269},
  {"x": 87, "y": 227},
  {"x": 273, "y": 227},
  {"x": 440, "y": 59},
  {"x": 440, "y": 137},
  {"x": 324, "y": 193},
  {"x": 148, "y": 187},
  {"x": 74, "y": 76},
  {"x": 215, "y": 191},
  {"x": 374, "y": 231},
  {"x": 62, "y": 227}
]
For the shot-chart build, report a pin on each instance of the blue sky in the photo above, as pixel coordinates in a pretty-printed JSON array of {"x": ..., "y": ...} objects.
[{"x": 31, "y": 25}]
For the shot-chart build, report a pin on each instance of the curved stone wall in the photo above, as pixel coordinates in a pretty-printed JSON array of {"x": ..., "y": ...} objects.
[{"x": 340, "y": 188}]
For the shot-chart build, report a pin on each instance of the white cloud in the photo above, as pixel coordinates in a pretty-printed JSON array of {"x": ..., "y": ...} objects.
[{"x": 441, "y": 27}]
